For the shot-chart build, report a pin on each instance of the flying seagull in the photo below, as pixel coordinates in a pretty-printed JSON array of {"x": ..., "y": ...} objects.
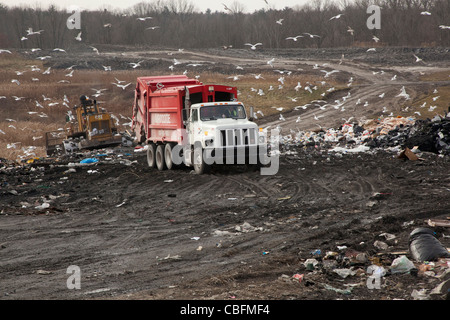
[
  {"x": 294, "y": 38},
  {"x": 337, "y": 16},
  {"x": 253, "y": 46}
]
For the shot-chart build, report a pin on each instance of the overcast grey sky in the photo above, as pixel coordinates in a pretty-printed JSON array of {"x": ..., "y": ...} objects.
[{"x": 202, "y": 5}]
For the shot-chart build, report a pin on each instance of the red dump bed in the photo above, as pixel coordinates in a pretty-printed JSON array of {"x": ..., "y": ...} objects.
[{"x": 159, "y": 102}]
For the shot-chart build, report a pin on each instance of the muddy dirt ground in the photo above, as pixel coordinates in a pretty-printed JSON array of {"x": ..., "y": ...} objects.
[
  {"x": 233, "y": 234},
  {"x": 137, "y": 233}
]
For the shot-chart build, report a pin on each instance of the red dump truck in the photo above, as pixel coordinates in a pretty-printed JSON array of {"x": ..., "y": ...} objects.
[{"x": 184, "y": 121}]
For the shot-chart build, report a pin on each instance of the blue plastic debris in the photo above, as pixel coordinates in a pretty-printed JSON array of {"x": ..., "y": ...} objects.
[{"x": 89, "y": 160}]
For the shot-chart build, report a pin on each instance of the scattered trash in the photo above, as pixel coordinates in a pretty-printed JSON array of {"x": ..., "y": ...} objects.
[
  {"x": 89, "y": 160},
  {"x": 424, "y": 246},
  {"x": 310, "y": 264},
  {"x": 420, "y": 294},
  {"x": 246, "y": 227},
  {"x": 344, "y": 273},
  {"x": 408, "y": 154},
  {"x": 380, "y": 245},
  {"x": 402, "y": 265},
  {"x": 439, "y": 222},
  {"x": 45, "y": 205},
  {"x": 120, "y": 204},
  {"x": 298, "y": 277},
  {"x": 45, "y": 272},
  {"x": 346, "y": 291}
]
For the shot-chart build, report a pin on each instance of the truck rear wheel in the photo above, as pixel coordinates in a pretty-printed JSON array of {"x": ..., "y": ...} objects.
[
  {"x": 151, "y": 156},
  {"x": 168, "y": 149},
  {"x": 199, "y": 163},
  {"x": 160, "y": 163}
]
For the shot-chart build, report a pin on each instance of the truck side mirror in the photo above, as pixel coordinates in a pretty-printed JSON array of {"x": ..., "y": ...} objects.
[{"x": 251, "y": 116}]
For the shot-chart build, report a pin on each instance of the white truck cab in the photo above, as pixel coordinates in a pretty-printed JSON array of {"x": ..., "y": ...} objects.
[{"x": 221, "y": 133}]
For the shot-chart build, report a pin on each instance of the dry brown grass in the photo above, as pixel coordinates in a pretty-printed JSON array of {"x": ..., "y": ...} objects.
[
  {"x": 28, "y": 122},
  {"x": 428, "y": 107}
]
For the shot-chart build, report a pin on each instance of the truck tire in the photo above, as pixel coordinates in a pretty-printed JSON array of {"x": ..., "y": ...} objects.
[
  {"x": 168, "y": 155},
  {"x": 159, "y": 156},
  {"x": 151, "y": 155},
  {"x": 199, "y": 164}
]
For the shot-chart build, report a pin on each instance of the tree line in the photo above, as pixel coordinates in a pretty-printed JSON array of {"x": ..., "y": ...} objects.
[{"x": 179, "y": 24}]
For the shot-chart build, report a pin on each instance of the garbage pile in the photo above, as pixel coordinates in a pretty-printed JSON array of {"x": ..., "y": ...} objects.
[
  {"x": 391, "y": 134},
  {"x": 379, "y": 265}
]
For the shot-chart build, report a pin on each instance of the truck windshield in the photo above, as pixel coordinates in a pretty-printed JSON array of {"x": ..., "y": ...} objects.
[{"x": 222, "y": 111}]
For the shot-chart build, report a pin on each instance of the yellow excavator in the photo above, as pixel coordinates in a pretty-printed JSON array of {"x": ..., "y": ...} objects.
[{"x": 86, "y": 128}]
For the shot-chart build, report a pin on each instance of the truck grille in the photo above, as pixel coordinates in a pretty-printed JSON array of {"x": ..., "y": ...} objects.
[{"x": 237, "y": 137}]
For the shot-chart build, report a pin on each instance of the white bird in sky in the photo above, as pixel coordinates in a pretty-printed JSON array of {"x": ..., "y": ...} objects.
[
  {"x": 225, "y": 7},
  {"x": 337, "y": 16},
  {"x": 371, "y": 49},
  {"x": 152, "y": 28},
  {"x": 294, "y": 38},
  {"x": 4, "y": 51},
  {"x": 18, "y": 98},
  {"x": 235, "y": 78},
  {"x": 298, "y": 86},
  {"x": 425, "y": 13},
  {"x": 94, "y": 49},
  {"x": 134, "y": 65},
  {"x": 403, "y": 93},
  {"x": 317, "y": 117},
  {"x": 417, "y": 58},
  {"x": 280, "y": 21},
  {"x": 312, "y": 35},
  {"x": 270, "y": 62},
  {"x": 123, "y": 86},
  {"x": 253, "y": 46},
  {"x": 282, "y": 118},
  {"x": 144, "y": 18},
  {"x": 98, "y": 91},
  {"x": 327, "y": 73},
  {"x": 47, "y": 71},
  {"x": 16, "y": 81},
  {"x": 351, "y": 31},
  {"x": 70, "y": 74},
  {"x": 30, "y": 32},
  {"x": 78, "y": 37},
  {"x": 59, "y": 50}
]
